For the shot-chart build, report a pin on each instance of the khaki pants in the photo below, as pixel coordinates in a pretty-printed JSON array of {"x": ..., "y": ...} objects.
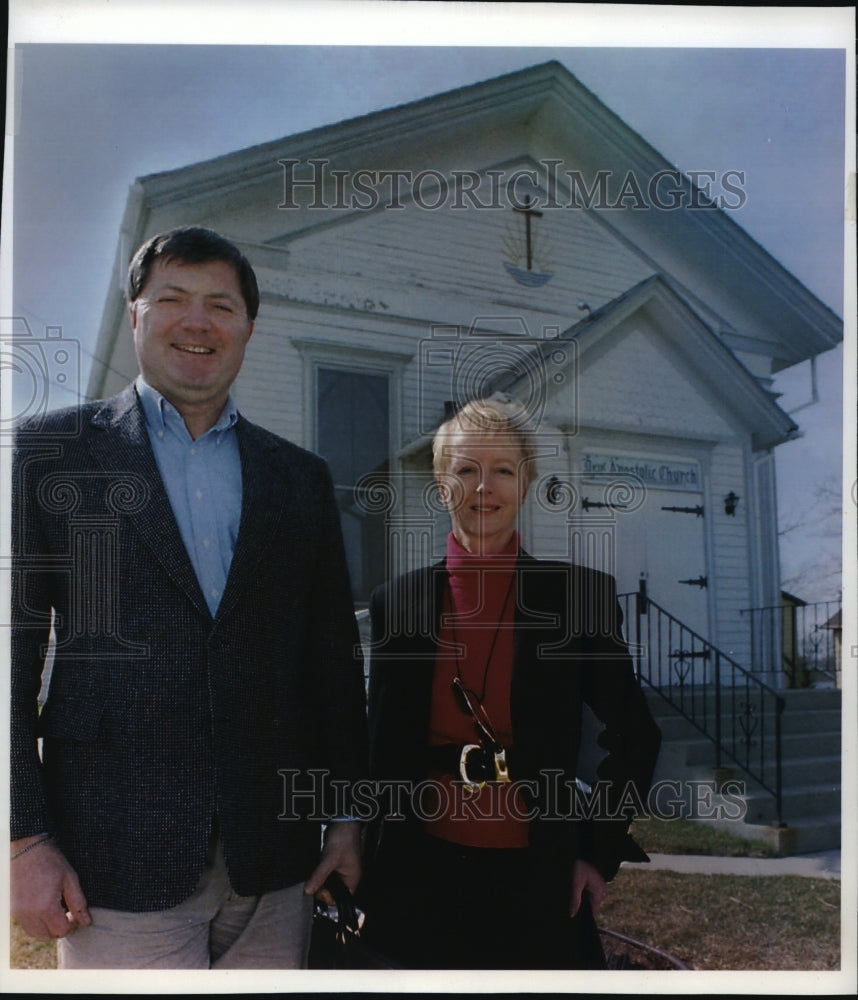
[{"x": 212, "y": 929}]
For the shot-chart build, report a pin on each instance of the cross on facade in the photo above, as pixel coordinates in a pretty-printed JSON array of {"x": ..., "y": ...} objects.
[{"x": 528, "y": 212}]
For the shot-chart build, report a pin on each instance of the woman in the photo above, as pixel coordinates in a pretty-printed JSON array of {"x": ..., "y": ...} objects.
[{"x": 486, "y": 855}]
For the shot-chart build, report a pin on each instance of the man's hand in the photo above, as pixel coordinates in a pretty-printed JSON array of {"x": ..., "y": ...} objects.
[
  {"x": 585, "y": 878},
  {"x": 341, "y": 853},
  {"x": 41, "y": 880}
]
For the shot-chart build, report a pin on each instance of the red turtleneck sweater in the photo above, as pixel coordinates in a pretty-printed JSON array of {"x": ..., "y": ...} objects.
[{"x": 478, "y": 617}]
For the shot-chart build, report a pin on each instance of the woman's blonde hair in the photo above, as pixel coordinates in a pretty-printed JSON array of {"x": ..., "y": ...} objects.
[{"x": 500, "y": 415}]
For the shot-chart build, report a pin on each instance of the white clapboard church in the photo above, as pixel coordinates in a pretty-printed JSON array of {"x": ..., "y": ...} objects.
[{"x": 513, "y": 236}]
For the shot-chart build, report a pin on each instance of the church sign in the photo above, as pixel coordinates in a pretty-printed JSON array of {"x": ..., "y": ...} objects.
[{"x": 659, "y": 474}]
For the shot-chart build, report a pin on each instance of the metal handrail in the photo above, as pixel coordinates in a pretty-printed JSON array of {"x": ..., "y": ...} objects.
[
  {"x": 798, "y": 636},
  {"x": 726, "y": 703}
]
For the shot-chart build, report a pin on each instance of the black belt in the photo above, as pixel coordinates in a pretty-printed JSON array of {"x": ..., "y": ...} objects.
[{"x": 474, "y": 764}]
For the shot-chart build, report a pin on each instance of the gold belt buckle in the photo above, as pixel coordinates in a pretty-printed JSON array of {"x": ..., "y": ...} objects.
[
  {"x": 470, "y": 786},
  {"x": 501, "y": 766}
]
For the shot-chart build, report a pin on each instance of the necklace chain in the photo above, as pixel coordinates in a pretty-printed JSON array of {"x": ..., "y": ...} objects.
[{"x": 498, "y": 627}]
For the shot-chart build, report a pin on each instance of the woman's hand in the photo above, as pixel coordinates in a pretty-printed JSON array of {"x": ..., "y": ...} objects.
[{"x": 585, "y": 878}]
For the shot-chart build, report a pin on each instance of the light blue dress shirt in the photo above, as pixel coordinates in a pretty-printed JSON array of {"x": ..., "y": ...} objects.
[{"x": 203, "y": 483}]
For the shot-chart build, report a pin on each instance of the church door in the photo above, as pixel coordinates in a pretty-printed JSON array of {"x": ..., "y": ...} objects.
[{"x": 659, "y": 537}]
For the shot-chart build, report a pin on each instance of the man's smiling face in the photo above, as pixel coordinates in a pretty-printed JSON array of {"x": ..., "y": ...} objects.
[{"x": 190, "y": 329}]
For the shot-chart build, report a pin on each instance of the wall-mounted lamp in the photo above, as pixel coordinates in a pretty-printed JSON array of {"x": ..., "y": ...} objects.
[{"x": 730, "y": 502}]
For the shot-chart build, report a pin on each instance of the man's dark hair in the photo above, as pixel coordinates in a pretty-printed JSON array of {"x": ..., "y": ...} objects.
[{"x": 192, "y": 245}]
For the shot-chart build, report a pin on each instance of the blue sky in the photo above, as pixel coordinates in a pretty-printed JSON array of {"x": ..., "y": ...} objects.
[{"x": 91, "y": 115}]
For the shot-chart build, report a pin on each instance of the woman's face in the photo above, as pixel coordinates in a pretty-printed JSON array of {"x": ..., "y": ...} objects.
[{"x": 483, "y": 488}]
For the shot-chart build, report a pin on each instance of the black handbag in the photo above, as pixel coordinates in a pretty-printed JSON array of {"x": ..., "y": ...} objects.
[{"x": 335, "y": 941}]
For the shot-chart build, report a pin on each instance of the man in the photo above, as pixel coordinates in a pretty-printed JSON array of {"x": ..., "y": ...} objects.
[{"x": 193, "y": 568}]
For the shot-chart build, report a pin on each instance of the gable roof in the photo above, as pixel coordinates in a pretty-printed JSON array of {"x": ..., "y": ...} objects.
[
  {"x": 691, "y": 339},
  {"x": 542, "y": 112}
]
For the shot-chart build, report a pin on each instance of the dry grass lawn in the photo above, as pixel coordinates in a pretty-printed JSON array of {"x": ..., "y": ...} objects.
[
  {"x": 736, "y": 922},
  {"x": 684, "y": 836},
  {"x": 30, "y": 953}
]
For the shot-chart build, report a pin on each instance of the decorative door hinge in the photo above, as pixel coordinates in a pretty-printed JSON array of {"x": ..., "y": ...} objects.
[{"x": 698, "y": 511}]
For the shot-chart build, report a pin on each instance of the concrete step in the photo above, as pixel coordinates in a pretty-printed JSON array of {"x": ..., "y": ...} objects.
[
  {"x": 813, "y": 720},
  {"x": 794, "y": 720},
  {"x": 822, "y": 833},
  {"x": 822, "y": 770},
  {"x": 741, "y": 801},
  {"x": 801, "y": 801},
  {"x": 804, "y": 795},
  {"x": 801, "y": 836},
  {"x": 795, "y": 742},
  {"x": 796, "y": 768},
  {"x": 803, "y": 700},
  {"x": 820, "y": 697}
]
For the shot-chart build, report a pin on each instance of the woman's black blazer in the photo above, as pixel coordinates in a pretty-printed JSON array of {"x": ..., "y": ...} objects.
[{"x": 569, "y": 651}]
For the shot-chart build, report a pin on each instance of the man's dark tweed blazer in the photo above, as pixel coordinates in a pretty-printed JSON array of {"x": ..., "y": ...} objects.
[
  {"x": 158, "y": 716},
  {"x": 568, "y": 652}
]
